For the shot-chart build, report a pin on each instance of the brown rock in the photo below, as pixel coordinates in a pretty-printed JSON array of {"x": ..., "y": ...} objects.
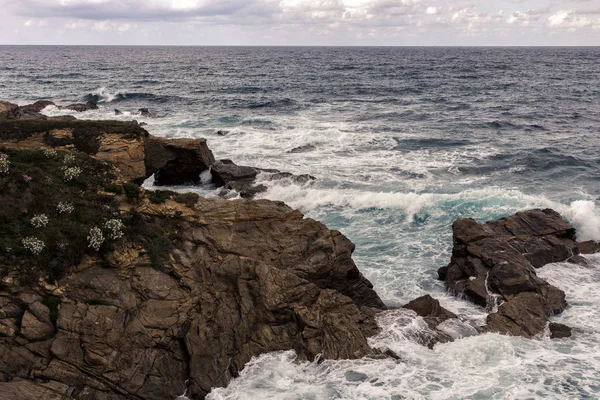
[
  {"x": 559, "y": 331},
  {"x": 7, "y": 110},
  {"x": 499, "y": 258},
  {"x": 177, "y": 161},
  {"x": 430, "y": 309},
  {"x": 81, "y": 107},
  {"x": 588, "y": 247},
  {"x": 38, "y": 106},
  {"x": 34, "y": 329}
]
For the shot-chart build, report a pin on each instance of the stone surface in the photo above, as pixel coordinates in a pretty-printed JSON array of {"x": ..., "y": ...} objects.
[
  {"x": 430, "y": 309},
  {"x": 7, "y": 110},
  {"x": 38, "y": 106},
  {"x": 495, "y": 263},
  {"x": 559, "y": 331},
  {"x": 239, "y": 278},
  {"x": 177, "y": 161},
  {"x": 589, "y": 247}
]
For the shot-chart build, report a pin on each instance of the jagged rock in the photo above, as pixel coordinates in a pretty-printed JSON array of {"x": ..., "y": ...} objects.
[
  {"x": 430, "y": 309},
  {"x": 433, "y": 314},
  {"x": 302, "y": 149},
  {"x": 589, "y": 247},
  {"x": 242, "y": 179},
  {"x": 523, "y": 315},
  {"x": 177, "y": 161},
  {"x": 38, "y": 106},
  {"x": 118, "y": 112},
  {"x": 81, "y": 107},
  {"x": 246, "y": 277},
  {"x": 496, "y": 261},
  {"x": 144, "y": 112},
  {"x": 559, "y": 331}
]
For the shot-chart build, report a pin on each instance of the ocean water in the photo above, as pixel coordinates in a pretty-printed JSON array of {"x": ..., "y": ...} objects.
[{"x": 405, "y": 140}]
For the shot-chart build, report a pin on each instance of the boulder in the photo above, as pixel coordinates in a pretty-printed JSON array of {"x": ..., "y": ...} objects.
[
  {"x": 118, "y": 112},
  {"x": 177, "y": 161},
  {"x": 144, "y": 112},
  {"x": 494, "y": 263},
  {"x": 7, "y": 110},
  {"x": 589, "y": 247},
  {"x": 242, "y": 179},
  {"x": 430, "y": 309},
  {"x": 433, "y": 314},
  {"x": 38, "y": 106},
  {"x": 81, "y": 107},
  {"x": 559, "y": 331}
]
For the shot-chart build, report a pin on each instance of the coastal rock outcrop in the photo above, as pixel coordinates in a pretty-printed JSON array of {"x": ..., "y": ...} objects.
[
  {"x": 493, "y": 265},
  {"x": 177, "y": 294},
  {"x": 81, "y": 107},
  {"x": 177, "y": 161}
]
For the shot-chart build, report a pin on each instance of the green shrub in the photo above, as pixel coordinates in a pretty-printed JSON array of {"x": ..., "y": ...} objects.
[{"x": 132, "y": 191}]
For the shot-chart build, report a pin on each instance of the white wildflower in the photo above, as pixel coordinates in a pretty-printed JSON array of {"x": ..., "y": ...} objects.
[
  {"x": 96, "y": 238},
  {"x": 72, "y": 173},
  {"x": 69, "y": 159},
  {"x": 115, "y": 226},
  {"x": 50, "y": 153},
  {"x": 33, "y": 244},
  {"x": 65, "y": 208},
  {"x": 39, "y": 220},
  {"x": 4, "y": 164}
]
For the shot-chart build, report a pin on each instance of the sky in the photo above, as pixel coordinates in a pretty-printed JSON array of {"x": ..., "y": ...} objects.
[{"x": 302, "y": 22}]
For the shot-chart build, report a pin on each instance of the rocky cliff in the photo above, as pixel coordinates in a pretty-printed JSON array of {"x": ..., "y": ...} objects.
[{"x": 110, "y": 292}]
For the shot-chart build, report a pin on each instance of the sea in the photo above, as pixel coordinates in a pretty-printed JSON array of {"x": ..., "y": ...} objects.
[{"x": 402, "y": 141}]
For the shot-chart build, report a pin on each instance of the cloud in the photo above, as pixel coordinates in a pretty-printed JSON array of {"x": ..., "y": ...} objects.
[
  {"x": 570, "y": 19},
  {"x": 291, "y": 21}
]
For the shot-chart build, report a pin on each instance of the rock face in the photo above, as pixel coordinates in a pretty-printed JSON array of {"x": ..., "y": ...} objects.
[
  {"x": 182, "y": 305},
  {"x": 493, "y": 264},
  {"x": 177, "y": 161}
]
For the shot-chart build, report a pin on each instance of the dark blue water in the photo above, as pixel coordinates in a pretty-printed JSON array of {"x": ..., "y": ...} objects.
[{"x": 405, "y": 140}]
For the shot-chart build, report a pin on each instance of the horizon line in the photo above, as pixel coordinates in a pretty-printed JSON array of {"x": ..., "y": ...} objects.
[{"x": 283, "y": 45}]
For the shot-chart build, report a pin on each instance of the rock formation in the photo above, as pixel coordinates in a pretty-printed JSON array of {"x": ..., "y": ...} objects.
[
  {"x": 493, "y": 265},
  {"x": 177, "y": 301}
]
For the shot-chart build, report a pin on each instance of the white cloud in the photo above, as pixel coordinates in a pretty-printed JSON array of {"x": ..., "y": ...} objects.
[{"x": 306, "y": 21}]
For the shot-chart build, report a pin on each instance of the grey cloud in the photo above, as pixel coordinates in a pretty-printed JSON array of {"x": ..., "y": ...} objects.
[{"x": 141, "y": 10}]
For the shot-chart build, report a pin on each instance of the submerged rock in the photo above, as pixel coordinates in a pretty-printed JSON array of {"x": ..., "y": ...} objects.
[
  {"x": 434, "y": 314},
  {"x": 494, "y": 264},
  {"x": 118, "y": 112},
  {"x": 302, "y": 149},
  {"x": 144, "y": 112},
  {"x": 81, "y": 107}
]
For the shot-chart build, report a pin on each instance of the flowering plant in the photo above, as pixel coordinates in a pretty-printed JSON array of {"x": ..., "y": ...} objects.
[{"x": 33, "y": 244}]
